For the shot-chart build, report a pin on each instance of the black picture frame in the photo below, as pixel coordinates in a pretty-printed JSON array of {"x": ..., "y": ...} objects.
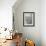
[{"x": 28, "y": 19}]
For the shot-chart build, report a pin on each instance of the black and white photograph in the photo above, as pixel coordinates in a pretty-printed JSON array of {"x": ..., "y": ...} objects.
[{"x": 28, "y": 18}]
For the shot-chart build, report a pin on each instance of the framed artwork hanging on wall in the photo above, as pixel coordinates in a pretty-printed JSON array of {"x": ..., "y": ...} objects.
[{"x": 28, "y": 19}]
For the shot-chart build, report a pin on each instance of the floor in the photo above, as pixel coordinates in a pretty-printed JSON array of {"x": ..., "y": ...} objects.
[
  {"x": 12, "y": 42},
  {"x": 9, "y": 43}
]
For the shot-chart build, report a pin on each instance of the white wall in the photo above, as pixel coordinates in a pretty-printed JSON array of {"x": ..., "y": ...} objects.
[
  {"x": 43, "y": 22},
  {"x": 6, "y": 13},
  {"x": 32, "y": 33}
]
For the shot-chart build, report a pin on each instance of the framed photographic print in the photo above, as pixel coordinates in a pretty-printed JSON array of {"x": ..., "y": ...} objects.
[{"x": 28, "y": 19}]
